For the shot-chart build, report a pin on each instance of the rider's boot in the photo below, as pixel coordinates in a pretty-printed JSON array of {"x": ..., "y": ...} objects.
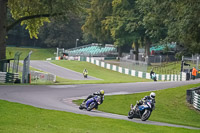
[{"x": 134, "y": 107}]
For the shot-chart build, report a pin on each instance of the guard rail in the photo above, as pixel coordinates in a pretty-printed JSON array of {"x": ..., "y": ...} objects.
[{"x": 193, "y": 97}]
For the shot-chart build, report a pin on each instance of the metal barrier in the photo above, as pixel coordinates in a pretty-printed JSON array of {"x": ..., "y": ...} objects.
[
  {"x": 6, "y": 77},
  {"x": 193, "y": 97},
  {"x": 196, "y": 100},
  {"x": 12, "y": 77},
  {"x": 26, "y": 71},
  {"x": 2, "y": 77}
]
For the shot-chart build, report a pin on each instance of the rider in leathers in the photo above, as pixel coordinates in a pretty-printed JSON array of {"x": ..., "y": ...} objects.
[
  {"x": 85, "y": 72},
  {"x": 150, "y": 97},
  {"x": 98, "y": 93}
]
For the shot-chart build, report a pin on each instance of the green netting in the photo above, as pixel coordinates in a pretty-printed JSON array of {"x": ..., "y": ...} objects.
[{"x": 162, "y": 47}]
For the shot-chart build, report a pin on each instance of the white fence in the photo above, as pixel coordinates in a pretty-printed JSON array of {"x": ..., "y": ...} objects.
[{"x": 169, "y": 77}]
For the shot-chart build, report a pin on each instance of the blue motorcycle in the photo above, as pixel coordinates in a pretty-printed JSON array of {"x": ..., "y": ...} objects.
[
  {"x": 142, "y": 111},
  {"x": 91, "y": 103}
]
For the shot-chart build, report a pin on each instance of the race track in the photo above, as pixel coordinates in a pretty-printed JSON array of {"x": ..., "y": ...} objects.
[
  {"x": 59, "y": 97},
  {"x": 59, "y": 71}
]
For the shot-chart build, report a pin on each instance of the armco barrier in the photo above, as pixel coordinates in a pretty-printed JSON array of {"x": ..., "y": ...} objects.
[
  {"x": 181, "y": 77},
  {"x": 193, "y": 97},
  {"x": 6, "y": 77},
  {"x": 2, "y": 77},
  {"x": 196, "y": 100},
  {"x": 11, "y": 77}
]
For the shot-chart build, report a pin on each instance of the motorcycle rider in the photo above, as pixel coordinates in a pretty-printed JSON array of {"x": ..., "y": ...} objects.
[
  {"x": 151, "y": 97},
  {"x": 85, "y": 72},
  {"x": 98, "y": 93},
  {"x": 153, "y": 75}
]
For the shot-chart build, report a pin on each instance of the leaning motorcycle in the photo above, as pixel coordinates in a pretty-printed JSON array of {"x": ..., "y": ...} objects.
[
  {"x": 142, "y": 111},
  {"x": 91, "y": 103}
]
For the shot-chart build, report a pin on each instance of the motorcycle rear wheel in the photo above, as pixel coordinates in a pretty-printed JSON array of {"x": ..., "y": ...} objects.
[
  {"x": 80, "y": 108},
  {"x": 146, "y": 115},
  {"x": 91, "y": 106}
]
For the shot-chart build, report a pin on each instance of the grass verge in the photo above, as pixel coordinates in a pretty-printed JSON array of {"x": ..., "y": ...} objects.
[
  {"x": 19, "y": 118},
  {"x": 106, "y": 76},
  {"x": 37, "y": 53},
  {"x": 171, "y": 106}
]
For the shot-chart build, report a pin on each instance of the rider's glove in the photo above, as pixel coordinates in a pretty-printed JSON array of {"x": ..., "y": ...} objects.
[{"x": 141, "y": 102}]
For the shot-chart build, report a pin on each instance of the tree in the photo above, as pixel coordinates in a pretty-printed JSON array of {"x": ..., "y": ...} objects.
[
  {"x": 155, "y": 29},
  {"x": 33, "y": 14},
  {"x": 19, "y": 36},
  {"x": 61, "y": 34},
  {"x": 173, "y": 21},
  {"x": 3, "y": 28},
  {"x": 183, "y": 23},
  {"x": 124, "y": 24},
  {"x": 97, "y": 12}
]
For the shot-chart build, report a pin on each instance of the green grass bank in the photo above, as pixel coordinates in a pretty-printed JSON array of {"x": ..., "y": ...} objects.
[
  {"x": 106, "y": 76},
  {"x": 19, "y": 118},
  {"x": 37, "y": 53}
]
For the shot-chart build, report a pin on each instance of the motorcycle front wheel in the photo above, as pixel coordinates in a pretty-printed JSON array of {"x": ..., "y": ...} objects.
[
  {"x": 130, "y": 114},
  {"x": 146, "y": 115},
  {"x": 81, "y": 106}
]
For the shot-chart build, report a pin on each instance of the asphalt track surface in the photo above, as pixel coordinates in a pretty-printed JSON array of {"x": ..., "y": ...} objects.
[
  {"x": 59, "y": 97},
  {"x": 59, "y": 71}
]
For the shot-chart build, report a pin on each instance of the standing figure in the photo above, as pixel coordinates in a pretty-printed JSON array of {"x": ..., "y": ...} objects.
[{"x": 194, "y": 73}]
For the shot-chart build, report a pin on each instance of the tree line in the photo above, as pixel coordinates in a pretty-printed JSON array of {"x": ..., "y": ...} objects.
[
  {"x": 124, "y": 23},
  {"x": 145, "y": 22}
]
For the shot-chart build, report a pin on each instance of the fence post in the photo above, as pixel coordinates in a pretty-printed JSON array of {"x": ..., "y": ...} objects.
[
  {"x": 26, "y": 72},
  {"x": 197, "y": 66}
]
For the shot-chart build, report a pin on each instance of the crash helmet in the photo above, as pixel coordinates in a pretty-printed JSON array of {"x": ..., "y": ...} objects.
[
  {"x": 152, "y": 95},
  {"x": 101, "y": 92}
]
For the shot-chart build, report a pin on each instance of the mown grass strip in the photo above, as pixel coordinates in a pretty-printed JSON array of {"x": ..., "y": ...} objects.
[
  {"x": 37, "y": 53},
  {"x": 19, "y": 118}
]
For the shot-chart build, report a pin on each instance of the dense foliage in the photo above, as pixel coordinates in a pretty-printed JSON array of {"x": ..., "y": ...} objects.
[
  {"x": 124, "y": 23},
  {"x": 150, "y": 21}
]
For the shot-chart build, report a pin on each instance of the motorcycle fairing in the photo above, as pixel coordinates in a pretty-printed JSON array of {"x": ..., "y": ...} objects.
[
  {"x": 89, "y": 101},
  {"x": 145, "y": 106}
]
